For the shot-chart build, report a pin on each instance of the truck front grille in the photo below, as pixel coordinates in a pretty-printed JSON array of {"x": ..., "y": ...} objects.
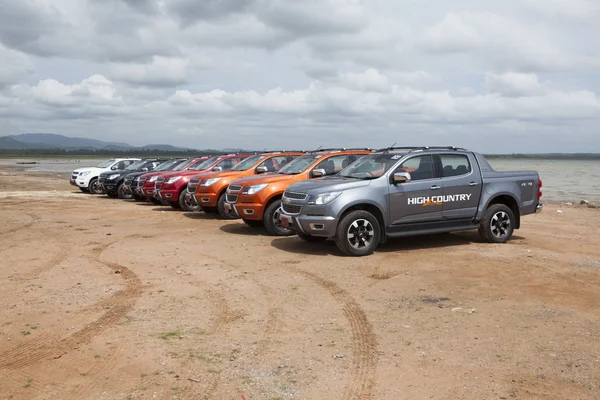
[
  {"x": 235, "y": 188},
  {"x": 74, "y": 176},
  {"x": 294, "y": 195},
  {"x": 194, "y": 181},
  {"x": 231, "y": 198},
  {"x": 157, "y": 185},
  {"x": 128, "y": 182},
  {"x": 102, "y": 179},
  {"x": 292, "y": 208}
]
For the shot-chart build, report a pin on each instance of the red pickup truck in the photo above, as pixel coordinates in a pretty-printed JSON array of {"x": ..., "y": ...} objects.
[
  {"x": 145, "y": 185},
  {"x": 171, "y": 188}
]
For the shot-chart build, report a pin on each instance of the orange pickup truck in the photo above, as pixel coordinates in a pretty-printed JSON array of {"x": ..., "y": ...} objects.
[
  {"x": 257, "y": 199},
  {"x": 207, "y": 191}
]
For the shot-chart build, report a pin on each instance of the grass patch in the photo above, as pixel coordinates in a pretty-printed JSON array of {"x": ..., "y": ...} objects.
[
  {"x": 28, "y": 384},
  {"x": 169, "y": 335},
  {"x": 143, "y": 374},
  {"x": 25, "y": 333},
  {"x": 97, "y": 356}
]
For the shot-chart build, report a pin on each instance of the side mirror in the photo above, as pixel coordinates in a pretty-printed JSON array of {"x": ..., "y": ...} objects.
[
  {"x": 114, "y": 167},
  {"x": 317, "y": 173},
  {"x": 402, "y": 177},
  {"x": 144, "y": 169},
  {"x": 261, "y": 170},
  {"x": 216, "y": 169}
]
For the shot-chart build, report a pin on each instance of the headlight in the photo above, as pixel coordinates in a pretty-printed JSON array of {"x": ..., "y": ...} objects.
[
  {"x": 173, "y": 179},
  {"x": 210, "y": 182},
  {"x": 254, "y": 188},
  {"x": 113, "y": 176},
  {"x": 153, "y": 178},
  {"x": 325, "y": 198},
  {"x": 85, "y": 173}
]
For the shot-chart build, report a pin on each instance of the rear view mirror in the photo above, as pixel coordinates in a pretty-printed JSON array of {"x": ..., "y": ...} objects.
[
  {"x": 261, "y": 170},
  {"x": 317, "y": 173},
  {"x": 402, "y": 177},
  {"x": 216, "y": 169},
  {"x": 145, "y": 169}
]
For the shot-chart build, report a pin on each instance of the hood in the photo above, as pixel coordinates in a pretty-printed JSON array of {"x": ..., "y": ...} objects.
[
  {"x": 120, "y": 172},
  {"x": 134, "y": 174},
  {"x": 91, "y": 169},
  {"x": 221, "y": 174},
  {"x": 187, "y": 173},
  {"x": 329, "y": 184},
  {"x": 263, "y": 178}
]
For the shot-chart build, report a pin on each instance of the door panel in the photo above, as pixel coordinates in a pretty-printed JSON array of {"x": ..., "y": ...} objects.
[
  {"x": 412, "y": 202},
  {"x": 461, "y": 181}
]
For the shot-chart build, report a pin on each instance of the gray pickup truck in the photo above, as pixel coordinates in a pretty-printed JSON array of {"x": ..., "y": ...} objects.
[{"x": 397, "y": 192}]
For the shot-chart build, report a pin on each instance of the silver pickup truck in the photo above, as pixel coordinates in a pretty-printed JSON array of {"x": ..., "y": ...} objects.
[{"x": 397, "y": 192}]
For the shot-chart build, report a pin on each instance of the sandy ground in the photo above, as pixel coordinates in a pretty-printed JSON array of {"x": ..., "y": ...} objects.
[{"x": 112, "y": 299}]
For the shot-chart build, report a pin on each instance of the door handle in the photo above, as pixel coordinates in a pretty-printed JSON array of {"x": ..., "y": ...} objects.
[
  {"x": 473, "y": 183},
  {"x": 435, "y": 187}
]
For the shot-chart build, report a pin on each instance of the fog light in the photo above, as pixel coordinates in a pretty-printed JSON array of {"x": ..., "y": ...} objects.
[
  {"x": 317, "y": 227},
  {"x": 248, "y": 212}
]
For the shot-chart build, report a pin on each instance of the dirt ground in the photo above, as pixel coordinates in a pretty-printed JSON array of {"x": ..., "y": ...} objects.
[{"x": 111, "y": 299}]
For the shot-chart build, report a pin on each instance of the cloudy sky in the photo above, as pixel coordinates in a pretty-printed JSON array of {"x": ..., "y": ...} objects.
[{"x": 494, "y": 76}]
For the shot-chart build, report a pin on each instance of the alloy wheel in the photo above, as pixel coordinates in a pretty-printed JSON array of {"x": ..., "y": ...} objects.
[
  {"x": 360, "y": 234},
  {"x": 500, "y": 224}
]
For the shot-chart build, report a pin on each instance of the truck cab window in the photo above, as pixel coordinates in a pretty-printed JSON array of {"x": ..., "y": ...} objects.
[
  {"x": 419, "y": 168},
  {"x": 454, "y": 165}
]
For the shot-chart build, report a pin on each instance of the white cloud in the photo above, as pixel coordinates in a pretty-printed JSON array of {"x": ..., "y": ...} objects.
[
  {"x": 349, "y": 71},
  {"x": 161, "y": 72},
  {"x": 512, "y": 84}
]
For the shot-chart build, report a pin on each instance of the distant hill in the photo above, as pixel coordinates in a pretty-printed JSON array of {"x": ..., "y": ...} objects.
[
  {"x": 35, "y": 141},
  {"x": 51, "y": 140}
]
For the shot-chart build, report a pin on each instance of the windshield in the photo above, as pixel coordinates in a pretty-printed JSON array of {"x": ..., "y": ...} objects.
[
  {"x": 106, "y": 164},
  {"x": 182, "y": 164},
  {"x": 299, "y": 165},
  {"x": 205, "y": 164},
  {"x": 136, "y": 165},
  {"x": 370, "y": 167},
  {"x": 247, "y": 163},
  {"x": 167, "y": 165}
]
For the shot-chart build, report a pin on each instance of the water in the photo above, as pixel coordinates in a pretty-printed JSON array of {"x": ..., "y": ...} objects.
[{"x": 562, "y": 179}]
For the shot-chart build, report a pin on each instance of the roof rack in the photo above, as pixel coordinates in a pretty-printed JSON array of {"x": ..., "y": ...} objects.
[
  {"x": 340, "y": 149},
  {"x": 421, "y": 148}
]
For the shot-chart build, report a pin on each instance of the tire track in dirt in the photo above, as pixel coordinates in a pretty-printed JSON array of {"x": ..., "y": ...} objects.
[
  {"x": 48, "y": 346},
  {"x": 121, "y": 303},
  {"x": 56, "y": 260},
  {"x": 34, "y": 219},
  {"x": 361, "y": 383}
]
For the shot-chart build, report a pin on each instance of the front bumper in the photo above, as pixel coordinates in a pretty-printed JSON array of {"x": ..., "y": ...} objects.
[
  {"x": 72, "y": 182},
  {"x": 166, "y": 197},
  {"x": 110, "y": 187},
  {"x": 310, "y": 225},
  {"x": 206, "y": 199},
  {"x": 250, "y": 211}
]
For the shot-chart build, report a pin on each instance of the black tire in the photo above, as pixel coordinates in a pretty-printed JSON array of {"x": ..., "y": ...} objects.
[
  {"x": 156, "y": 201},
  {"x": 121, "y": 192},
  {"x": 209, "y": 210},
  {"x": 272, "y": 222},
  {"x": 139, "y": 198},
  {"x": 365, "y": 231},
  {"x": 111, "y": 194},
  {"x": 95, "y": 187},
  {"x": 310, "y": 238},
  {"x": 84, "y": 190},
  {"x": 253, "y": 223},
  {"x": 221, "y": 208},
  {"x": 498, "y": 224},
  {"x": 186, "y": 204}
]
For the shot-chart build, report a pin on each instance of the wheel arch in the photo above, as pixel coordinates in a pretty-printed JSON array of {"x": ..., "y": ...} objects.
[
  {"x": 511, "y": 202},
  {"x": 373, "y": 209}
]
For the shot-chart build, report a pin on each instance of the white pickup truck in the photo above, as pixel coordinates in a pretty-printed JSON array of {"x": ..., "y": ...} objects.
[{"x": 87, "y": 178}]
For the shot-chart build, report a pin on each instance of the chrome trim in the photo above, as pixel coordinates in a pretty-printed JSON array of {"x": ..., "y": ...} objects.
[{"x": 538, "y": 208}]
